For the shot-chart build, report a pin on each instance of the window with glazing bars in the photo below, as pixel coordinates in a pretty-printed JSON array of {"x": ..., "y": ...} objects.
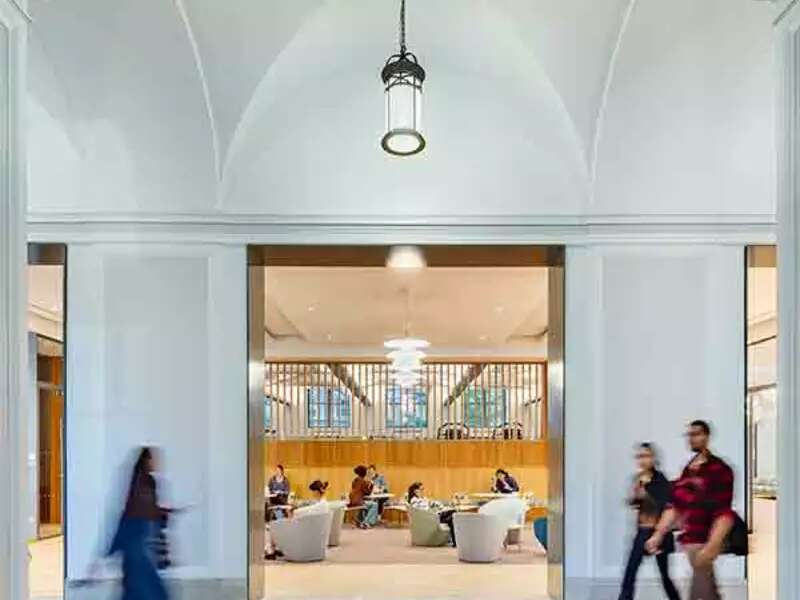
[
  {"x": 485, "y": 407},
  {"x": 328, "y": 408},
  {"x": 267, "y": 413},
  {"x": 406, "y": 408}
]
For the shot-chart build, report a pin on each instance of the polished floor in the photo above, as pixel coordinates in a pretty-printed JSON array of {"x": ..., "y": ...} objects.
[
  {"x": 381, "y": 563},
  {"x": 357, "y": 570}
]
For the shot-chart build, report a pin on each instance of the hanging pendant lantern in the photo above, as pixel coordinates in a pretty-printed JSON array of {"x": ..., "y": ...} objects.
[{"x": 402, "y": 79}]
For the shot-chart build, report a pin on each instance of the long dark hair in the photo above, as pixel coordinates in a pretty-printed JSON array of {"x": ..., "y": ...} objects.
[
  {"x": 143, "y": 463},
  {"x": 412, "y": 490},
  {"x": 141, "y": 468}
]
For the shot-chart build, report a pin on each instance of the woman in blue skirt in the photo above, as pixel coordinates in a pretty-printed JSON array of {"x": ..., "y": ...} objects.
[{"x": 137, "y": 530}]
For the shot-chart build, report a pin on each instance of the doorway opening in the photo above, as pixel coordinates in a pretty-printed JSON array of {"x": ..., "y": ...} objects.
[
  {"x": 46, "y": 274},
  {"x": 438, "y": 370},
  {"x": 762, "y": 362}
]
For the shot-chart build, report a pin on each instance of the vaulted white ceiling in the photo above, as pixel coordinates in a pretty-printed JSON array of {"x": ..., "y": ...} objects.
[{"x": 274, "y": 106}]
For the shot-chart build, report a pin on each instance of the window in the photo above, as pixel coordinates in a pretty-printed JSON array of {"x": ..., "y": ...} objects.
[
  {"x": 267, "y": 413},
  {"x": 406, "y": 408},
  {"x": 328, "y": 407},
  {"x": 485, "y": 407}
]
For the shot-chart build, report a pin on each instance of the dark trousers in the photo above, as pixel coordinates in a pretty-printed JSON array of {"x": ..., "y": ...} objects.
[
  {"x": 446, "y": 517},
  {"x": 635, "y": 559}
]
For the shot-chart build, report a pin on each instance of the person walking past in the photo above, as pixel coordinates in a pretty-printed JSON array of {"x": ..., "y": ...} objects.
[
  {"x": 138, "y": 531},
  {"x": 701, "y": 504},
  {"x": 649, "y": 496}
]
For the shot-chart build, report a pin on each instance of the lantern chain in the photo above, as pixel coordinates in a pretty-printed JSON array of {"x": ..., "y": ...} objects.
[{"x": 402, "y": 26}]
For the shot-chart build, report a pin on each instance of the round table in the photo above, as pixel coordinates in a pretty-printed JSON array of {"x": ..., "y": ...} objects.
[
  {"x": 385, "y": 496},
  {"x": 395, "y": 515},
  {"x": 486, "y": 496}
]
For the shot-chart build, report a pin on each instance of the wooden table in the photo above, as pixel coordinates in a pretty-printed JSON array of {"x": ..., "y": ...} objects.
[
  {"x": 486, "y": 496},
  {"x": 395, "y": 515},
  {"x": 385, "y": 496},
  {"x": 287, "y": 508}
]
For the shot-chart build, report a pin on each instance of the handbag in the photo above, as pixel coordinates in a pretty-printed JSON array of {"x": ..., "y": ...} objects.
[{"x": 736, "y": 542}]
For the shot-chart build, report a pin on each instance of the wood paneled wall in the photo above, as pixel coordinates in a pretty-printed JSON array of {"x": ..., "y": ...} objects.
[
  {"x": 445, "y": 467},
  {"x": 51, "y": 417}
]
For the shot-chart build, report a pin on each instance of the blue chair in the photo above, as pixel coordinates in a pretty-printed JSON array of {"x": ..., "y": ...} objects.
[{"x": 540, "y": 531}]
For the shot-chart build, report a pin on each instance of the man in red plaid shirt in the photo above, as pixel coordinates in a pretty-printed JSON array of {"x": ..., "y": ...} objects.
[{"x": 701, "y": 506}]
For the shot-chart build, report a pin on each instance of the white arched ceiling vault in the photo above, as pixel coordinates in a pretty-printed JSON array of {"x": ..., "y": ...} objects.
[{"x": 532, "y": 107}]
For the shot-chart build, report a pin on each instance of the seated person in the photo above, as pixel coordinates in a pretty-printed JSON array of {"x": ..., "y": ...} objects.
[
  {"x": 359, "y": 490},
  {"x": 279, "y": 489},
  {"x": 504, "y": 483},
  {"x": 379, "y": 485},
  {"x": 416, "y": 499},
  {"x": 319, "y": 504}
]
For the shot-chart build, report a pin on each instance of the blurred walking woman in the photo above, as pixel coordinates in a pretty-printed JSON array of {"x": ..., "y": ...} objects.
[
  {"x": 138, "y": 528},
  {"x": 649, "y": 497}
]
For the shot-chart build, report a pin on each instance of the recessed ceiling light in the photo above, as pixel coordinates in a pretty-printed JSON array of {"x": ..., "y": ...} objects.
[
  {"x": 483, "y": 338},
  {"x": 312, "y": 308},
  {"x": 406, "y": 257}
]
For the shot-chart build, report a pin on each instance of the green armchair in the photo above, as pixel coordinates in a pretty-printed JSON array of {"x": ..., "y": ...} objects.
[{"x": 426, "y": 530}]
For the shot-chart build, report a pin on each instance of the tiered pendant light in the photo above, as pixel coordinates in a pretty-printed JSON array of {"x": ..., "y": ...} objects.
[
  {"x": 402, "y": 77},
  {"x": 406, "y": 353}
]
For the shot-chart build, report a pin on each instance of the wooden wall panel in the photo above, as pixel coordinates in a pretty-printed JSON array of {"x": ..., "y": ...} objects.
[
  {"x": 50, "y": 370},
  {"x": 446, "y": 468}
]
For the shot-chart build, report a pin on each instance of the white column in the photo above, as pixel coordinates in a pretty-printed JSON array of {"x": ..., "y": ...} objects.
[
  {"x": 157, "y": 356},
  {"x": 654, "y": 339},
  {"x": 788, "y": 128},
  {"x": 13, "y": 391}
]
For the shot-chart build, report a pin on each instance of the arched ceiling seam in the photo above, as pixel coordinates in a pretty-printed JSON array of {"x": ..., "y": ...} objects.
[
  {"x": 69, "y": 130},
  {"x": 601, "y": 109},
  {"x": 240, "y": 128},
  {"x": 198, "y": 61},
  {"x": 235, "y": 139}
]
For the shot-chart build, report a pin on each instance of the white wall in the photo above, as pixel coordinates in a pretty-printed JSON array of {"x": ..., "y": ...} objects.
[
  {"x": 157, "y": 355},
  {"x": 654, "y": 339}
]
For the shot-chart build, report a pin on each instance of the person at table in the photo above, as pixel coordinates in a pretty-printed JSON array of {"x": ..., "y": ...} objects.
[
  {"x": 416, "y": 499},
  {"x": 359, "y": 492},
  {"x": 504, "y": 483},
  {"x": 379, "y": 486},
  {"x": 279, "y": 488}
]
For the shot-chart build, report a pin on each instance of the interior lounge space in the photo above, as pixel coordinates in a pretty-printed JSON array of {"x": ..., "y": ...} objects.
[
  {"x": 406, "y": 416},
  {"x": 45, "y": 387},
  {"x": 762, "y": 423}
]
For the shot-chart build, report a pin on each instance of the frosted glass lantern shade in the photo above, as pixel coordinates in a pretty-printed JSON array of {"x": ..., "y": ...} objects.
[{"x": 403, "y": 78}]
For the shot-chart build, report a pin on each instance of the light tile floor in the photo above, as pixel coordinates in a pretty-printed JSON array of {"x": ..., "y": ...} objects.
[{"x": 438, "y": 576}]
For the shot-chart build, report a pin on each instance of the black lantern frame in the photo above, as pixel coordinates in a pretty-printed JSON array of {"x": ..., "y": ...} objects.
[{"x": 403, "y": 76}]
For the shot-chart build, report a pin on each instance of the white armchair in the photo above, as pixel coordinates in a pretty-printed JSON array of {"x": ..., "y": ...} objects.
[
  {"x": 337, "y": 520},
  {"x": 303, "y": 538},
  {"x": 336, "y": 509},
  {"x": 512, "y": 511},
  {"x": 479, "y": 537}
]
